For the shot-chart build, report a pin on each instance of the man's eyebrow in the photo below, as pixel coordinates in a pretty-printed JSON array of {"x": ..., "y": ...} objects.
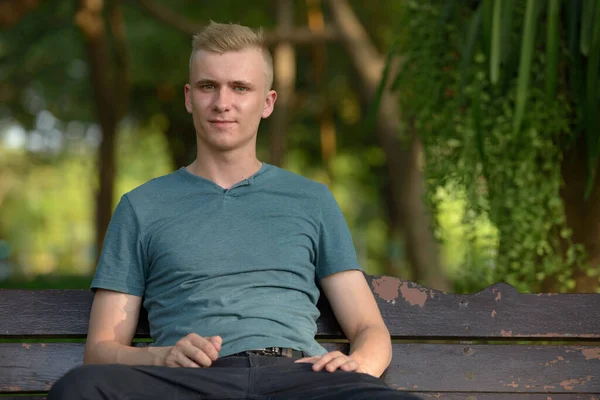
[
  {"x": 242, "y": 83},
  {"x": 201, "y": 82},
  {"x": 205, "y": 82}
]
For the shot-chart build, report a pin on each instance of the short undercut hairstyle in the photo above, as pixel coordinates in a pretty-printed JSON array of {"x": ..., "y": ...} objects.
[{"x": 220, "y": 38}]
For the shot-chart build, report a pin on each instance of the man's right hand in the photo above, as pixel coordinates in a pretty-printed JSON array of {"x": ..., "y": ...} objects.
[{"x": 193, "y": 351}]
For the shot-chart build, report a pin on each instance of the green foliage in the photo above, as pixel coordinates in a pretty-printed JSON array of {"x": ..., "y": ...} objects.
[
  {"x": 489, "y": 128},
  {"x": 47, "y": 211},
  {"x": 42, "y": 66}
]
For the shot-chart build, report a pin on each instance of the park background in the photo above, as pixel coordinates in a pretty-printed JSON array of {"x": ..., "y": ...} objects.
[{"x": 461, "y": 138}]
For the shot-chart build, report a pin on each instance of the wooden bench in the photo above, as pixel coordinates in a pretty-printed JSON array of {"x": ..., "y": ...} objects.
[{"x": 495, "y": 344}]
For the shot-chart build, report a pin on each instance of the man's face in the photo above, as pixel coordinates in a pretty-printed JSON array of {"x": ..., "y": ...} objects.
[{"x": 227, "y": 98}]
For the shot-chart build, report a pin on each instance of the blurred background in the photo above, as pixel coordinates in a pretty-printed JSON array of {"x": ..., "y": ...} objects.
[{"x": 461, "y": 138}]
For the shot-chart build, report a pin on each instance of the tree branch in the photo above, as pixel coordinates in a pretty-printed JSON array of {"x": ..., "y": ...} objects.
[
  {"x": 365, "y": 57},
  {"x": 189, "y": 27}
]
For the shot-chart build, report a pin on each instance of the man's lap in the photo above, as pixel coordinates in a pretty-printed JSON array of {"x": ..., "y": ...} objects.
[{"x": 252, "y": 377}]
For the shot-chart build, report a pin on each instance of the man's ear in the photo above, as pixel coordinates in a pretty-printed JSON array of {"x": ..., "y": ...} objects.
[
  {"x": 269, "y": 103},
  {"x": 187, "y": 91}
]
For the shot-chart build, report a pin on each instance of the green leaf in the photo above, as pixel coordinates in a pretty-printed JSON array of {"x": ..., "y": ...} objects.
[
  {"x": 496, "y": 42},
  {"x": 507, "y": 13},
  {"x": 468, "y": 49},
  {"x": 527, "y": 49},
  {"x": 552, "y": 49},
  {"x": 573, "y": 30},
  {"x": 478, "y": 125},
  {"x": 488, "y": 12},
  {"x": 449, "y": 7},
  {"x": 587, "y": 25},
  {"x": 374, "y": 109}
]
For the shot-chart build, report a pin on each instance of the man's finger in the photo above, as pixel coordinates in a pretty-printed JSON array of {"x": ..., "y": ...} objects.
[
  {"x": 205, "y": 346},
  {"x": 197, "y": 355},
  {"x": 350, "y": 366},
  {"x": 339, "y": 362},
  {"x": 217, "y": 341},
  {"x": 311, "y": 360},
  {"x": 185, "y": 362},
  {"x": 326, "y": 359}
]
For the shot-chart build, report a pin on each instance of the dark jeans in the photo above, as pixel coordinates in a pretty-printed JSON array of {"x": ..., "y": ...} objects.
[{"x": 246, "y": 377}]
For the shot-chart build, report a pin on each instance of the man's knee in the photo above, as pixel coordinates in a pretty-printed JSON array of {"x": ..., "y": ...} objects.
[{"x": 80, "y": 382}]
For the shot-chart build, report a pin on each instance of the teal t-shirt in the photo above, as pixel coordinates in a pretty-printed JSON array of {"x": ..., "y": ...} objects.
[{"x": 241, "y": 263}]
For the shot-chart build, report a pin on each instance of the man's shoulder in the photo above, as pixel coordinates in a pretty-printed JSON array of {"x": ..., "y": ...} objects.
[
  {"x": 155, "y": 188},
  {"x": 298, "y": 183}
]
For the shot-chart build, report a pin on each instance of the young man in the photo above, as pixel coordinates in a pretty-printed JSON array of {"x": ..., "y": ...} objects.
[{"x": 225, "y": 255}]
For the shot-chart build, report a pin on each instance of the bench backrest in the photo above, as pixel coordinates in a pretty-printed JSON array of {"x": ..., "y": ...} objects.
[{"x": 495, "y": 344}]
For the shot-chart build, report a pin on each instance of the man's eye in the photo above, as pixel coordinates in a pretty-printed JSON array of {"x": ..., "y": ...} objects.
[
  {"x": 241, "y": 88},
  {"x": 207, "y": 87}
]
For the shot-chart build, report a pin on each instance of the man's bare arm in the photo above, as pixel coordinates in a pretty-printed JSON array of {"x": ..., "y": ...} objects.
[
  {"x": 356, "y": 311},
  {"x": 113, "y": 322}
]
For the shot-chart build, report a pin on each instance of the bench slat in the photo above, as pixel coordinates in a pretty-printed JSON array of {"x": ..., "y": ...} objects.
[
  {"x": 410, "y": 311},
  {"x": 414, "y": 311},
  {"x": 444, "y": 396},
  {"x": 504, "y": 396},
  {"x": 33, "y": 367}
]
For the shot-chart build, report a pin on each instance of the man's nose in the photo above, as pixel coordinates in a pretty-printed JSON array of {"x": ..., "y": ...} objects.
[{"x": 223, "y": 99}]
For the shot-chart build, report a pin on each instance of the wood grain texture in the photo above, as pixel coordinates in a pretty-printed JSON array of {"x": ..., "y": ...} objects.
[
  {"x": 504, "y": 396},
  {"x": 34, "y": 367},
  {"x": 410, "y": 311},
  {"x": 444, "y": 396},
  {"x": 498, "y": 312}
]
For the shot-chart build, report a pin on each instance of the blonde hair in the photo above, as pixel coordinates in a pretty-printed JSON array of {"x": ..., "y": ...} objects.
[{"x": 220, "y": 38}]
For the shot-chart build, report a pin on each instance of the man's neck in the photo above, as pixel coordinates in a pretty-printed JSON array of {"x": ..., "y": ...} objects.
[{"x": 225, "y": 170}]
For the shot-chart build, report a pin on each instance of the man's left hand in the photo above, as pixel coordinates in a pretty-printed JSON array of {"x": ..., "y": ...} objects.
[{"x": 332, "y": 362}]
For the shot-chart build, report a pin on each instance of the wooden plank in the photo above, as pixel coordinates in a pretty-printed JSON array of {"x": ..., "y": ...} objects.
[
  {"x": 495, "y": 368},
  {"x": 20, "y": 397},
  {"x": 49, "y": 313},
  {"x": 415, "y": 367},
  {"x": 499, "y": 312},
  {"x": 504, "y": 396},
  {"x": 444, "y": 396},
  {"x": 410, "y": 311}
]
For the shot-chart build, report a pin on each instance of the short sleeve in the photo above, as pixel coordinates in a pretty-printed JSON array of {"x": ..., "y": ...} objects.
[
  {"x": 336, "y": 250},
  {"x": 123, "y": 261}
]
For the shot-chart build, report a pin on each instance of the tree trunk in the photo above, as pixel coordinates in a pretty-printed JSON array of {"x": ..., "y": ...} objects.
[
  {"x": 181, "y": 139},
  {"x": 316, "y": 24},
  {"x": 405, "y": 176},
  {"x": 109, "y": 84},
  {"x": 583, "y": 216},
  {"x": 284, "y": 63}
]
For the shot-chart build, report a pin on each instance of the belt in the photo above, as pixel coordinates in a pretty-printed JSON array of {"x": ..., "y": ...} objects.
[{"x": 272, "y": 352}]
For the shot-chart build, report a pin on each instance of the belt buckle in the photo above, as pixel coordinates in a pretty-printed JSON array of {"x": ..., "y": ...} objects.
[{"x": 271, "y": 351}]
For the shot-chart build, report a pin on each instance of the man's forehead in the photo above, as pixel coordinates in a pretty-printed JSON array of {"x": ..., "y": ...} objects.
[
  {"x": 245, "y": 65},
  {"x": 232, "y": 55}
]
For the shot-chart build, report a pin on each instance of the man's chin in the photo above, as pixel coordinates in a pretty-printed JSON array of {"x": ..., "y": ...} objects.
[
  {"x": 225, "y": 146},
  {"x": 225, "y": 141}
]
